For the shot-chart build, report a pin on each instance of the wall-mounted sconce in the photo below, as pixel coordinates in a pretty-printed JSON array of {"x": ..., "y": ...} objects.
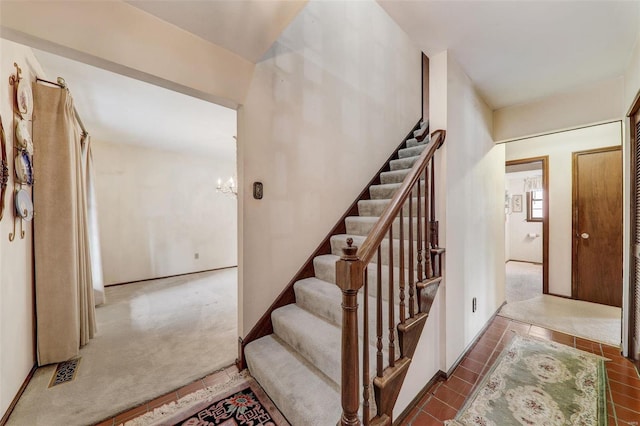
[
  {"x": 229, "y": 187},
  {"x": 257, "y": 190}
]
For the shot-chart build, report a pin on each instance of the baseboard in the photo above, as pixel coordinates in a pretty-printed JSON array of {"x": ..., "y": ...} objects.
[
  {"x": 524, "y": 261},
  {"x": 6, "y": 415},
  {"x": 561, "y": 295},
  {"x": 473, "y": 342},
  {"x": 440, "y": 375},
  {"x": 171, "y": 276}
]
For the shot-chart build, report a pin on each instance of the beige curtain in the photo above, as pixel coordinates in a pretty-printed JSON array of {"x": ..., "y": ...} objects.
[
  {"x": 65, "y": 310},
  {"x": 92, "y": 223}
]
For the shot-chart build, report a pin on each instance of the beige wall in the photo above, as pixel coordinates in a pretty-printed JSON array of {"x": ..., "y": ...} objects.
[
  {"x": 473, "y": 219},
  {"x": 325, "y": 108},
  {"x": 16, "y": 258},
  {"x": 559, "y": 147},
  {"x": 119, "y": 37},
  {"x": 595, "y": 103},
  {"x": 157, "y": 208},
  {"x": 519, "y": 244}
]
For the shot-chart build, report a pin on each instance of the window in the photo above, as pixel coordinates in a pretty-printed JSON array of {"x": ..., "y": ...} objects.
[{"x": 534, "y": 205}]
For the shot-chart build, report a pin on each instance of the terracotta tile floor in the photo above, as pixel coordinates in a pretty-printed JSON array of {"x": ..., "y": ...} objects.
[
  {"x": 218, "y": 377},
  {"x": 446, "y": 397}
]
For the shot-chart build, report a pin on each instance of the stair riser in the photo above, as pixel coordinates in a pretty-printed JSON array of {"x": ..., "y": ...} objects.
[{"x": 363, "y": 228}]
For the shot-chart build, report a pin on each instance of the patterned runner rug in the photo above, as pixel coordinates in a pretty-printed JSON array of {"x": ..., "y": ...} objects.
[
  {"x": 240, "y": 403},
  {"x": 537, "y": 382}
]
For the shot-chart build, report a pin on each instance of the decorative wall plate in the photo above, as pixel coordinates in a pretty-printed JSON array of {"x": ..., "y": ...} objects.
[
  {"x": 23, "y": 137},
  {"x": 24, "y": 97},
  {"x": 24, "y": 205},
  {"x": 4, "y": 169},
  {"x": 24, "y": 172}
]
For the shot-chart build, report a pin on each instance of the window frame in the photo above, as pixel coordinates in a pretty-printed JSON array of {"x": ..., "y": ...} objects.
[{"x": 530, "y": 200}]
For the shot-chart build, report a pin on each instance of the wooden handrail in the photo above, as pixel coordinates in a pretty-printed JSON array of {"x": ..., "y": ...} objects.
[
  {"x": 368, "y": 248},
  {"x": 351, "y": 276}
]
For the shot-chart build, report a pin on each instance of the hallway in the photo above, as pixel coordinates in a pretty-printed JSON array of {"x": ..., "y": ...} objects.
[{"x": 443, "y": 400}]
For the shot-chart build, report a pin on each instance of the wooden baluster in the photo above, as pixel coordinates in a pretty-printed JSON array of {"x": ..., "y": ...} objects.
[
  {"x": 433, "y": 223},
  {"x": 379, "y": 345},
  {"x": 411, "y": 271},
  {"x": 403, "y": 314},
  {"x": 365, "y": 351},
  {"x": 392, "y": 347},
  {"x": 419, "y": 243},
  {"x": 428, "y": 266},
  {"x": 432, "y": 219},
  {"x": 349, "y": 279}
]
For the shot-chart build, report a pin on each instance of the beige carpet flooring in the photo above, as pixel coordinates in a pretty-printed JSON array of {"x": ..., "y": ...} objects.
[
  {"x": 153, "y": 337},
  {"x": 523, "y": 281},
  {"x": 591, "y": 321}
]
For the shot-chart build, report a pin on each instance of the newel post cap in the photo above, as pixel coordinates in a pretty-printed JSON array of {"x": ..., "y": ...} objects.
[{"x": 349, "y": 252}]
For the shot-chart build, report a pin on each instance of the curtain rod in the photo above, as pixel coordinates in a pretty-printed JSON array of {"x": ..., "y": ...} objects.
[{"x": 63, "y": 85}]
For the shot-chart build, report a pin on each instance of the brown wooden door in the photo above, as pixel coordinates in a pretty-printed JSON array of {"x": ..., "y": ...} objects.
[
  {"x": 634, "y": 288},
  {"x": 597, "y": 226}
]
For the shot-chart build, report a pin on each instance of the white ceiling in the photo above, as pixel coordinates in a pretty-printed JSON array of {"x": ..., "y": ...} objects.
[
  {"x": 519, "y": 51},
  {"x": 119, "y": 109},
  {"x": 245, "y": 27}
]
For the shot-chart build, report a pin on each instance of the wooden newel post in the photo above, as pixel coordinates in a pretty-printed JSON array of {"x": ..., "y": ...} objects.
[{"x": 349, "y": 278}]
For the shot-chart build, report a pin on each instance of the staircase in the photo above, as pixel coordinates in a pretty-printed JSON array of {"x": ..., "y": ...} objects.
[{"x": 300, "y": 364}]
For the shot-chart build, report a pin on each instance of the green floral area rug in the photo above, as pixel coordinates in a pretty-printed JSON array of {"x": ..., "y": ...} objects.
[{"x": 538, "y": 382}]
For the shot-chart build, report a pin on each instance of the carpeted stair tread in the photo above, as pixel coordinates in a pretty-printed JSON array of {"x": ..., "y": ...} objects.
[
  {"x": 413, "y": 151},
  {"x": 394, "y": 176},
  {"x": 410, "y": 143},
  {"x": 375, "y": 208},
  {"x": 288, "y": 378},
  {"x": 325, "y": 269},
  {"x": 384, "y": 191},
  {"x": 339, "y": 241},
  {"x": 403, "y": 163},
  {"x": 314, "y": 338},
  {"x": 362, "y": 225},
  {"x": 325, "y": 300}
]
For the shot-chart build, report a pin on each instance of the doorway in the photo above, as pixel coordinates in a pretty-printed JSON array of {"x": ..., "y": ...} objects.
[
  {"x": 526, "y": 228},
  {"x": 597, "y": 226}
]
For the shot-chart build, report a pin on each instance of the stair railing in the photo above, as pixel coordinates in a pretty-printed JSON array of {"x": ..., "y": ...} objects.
[{"x": 413, "y": 203}]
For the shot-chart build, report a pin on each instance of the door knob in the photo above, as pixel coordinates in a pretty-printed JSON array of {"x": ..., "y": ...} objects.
[{"x": 584, "y": 236}]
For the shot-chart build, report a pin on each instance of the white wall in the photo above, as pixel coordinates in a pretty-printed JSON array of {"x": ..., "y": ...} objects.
[
  {"x": 559, "y": 147},
  {"x": 157, "y": 208},
  {"x": 594, "y": 103},
  {"x": 16, "y": 258},
  {"x": 520, "y": 245},
  {"x": 327, "y": 105},
  {"x": 474, "y": 217}
]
